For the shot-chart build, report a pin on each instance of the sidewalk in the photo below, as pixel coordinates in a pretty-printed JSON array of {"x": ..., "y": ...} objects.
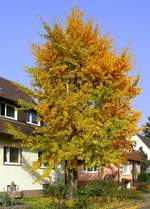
[
  {"x": 146, "y": 204},
  {"x": 137, "y": 204}
]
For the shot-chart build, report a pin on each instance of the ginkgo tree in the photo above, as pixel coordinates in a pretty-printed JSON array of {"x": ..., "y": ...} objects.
[{"x": 83, "y": 92}]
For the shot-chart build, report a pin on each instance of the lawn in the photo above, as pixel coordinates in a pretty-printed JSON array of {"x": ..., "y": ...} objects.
[{"x": 93, "y": 203}]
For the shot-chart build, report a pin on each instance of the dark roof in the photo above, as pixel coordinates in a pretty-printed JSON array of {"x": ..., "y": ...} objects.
[
  {"x": 134, "y": 156},
  {"x": 145, "y": 140},
  {"x": 9, "y": 90},
  {"x": 24, "y": 127}
]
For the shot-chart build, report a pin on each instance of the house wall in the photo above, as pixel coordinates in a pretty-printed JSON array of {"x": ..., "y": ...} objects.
[
  {"x": 20, "y": 174},
  {"x": 139, "y": 143},
  {"x": 108, "y": 171},
  {"x": 84, "y": 177},
  {"x": 129, "y": 176}
]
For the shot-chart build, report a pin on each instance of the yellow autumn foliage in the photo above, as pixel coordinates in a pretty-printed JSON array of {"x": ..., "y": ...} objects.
[{"x": 84, "y": 93}]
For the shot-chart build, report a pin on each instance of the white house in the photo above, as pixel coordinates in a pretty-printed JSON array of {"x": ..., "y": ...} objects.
[
  {"x": 16, "y": 162},
  {"x": 141, "y": 141}
]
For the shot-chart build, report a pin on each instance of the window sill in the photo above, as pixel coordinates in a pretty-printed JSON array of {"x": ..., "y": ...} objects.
[
  {"x": 42, "y": 167},
  {"x": 126, "y": 174},
  {"x": 34, "y": 124},
  {"x": 90, "y": 172},
  {"x": 8, "y": 117},
  {"x": 12, "y": 164}
]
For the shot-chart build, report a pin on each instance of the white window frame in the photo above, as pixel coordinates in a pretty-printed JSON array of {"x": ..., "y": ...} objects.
[
  {"x": 85, "y": 169},
  {"x": 8, "y": 156},
  {"x": 128, "y": 169},
  {"x": 30, "y": 120},
  {"x": 15, "y": 112}
]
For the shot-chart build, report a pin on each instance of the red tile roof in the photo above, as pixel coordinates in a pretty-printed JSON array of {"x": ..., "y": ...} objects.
[{"x": 134, "y": 156}]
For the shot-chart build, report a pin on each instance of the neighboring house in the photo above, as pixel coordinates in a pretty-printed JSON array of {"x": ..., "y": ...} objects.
[
  {"x": 144, "y": 143},
  {"x": 15, "y": 162},
  {"x": 141, "y": 141},
  {"x": 128, "y": 172}
]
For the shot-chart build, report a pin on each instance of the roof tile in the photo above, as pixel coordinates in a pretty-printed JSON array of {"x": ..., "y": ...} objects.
[{"x": 10, "y": 91}]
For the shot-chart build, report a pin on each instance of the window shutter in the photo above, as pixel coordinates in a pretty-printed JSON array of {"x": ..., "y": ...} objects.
[{"x": 21, "y": 116}]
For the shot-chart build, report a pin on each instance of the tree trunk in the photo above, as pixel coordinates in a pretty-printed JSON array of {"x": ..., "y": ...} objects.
[{"x": 70, "y": 181}]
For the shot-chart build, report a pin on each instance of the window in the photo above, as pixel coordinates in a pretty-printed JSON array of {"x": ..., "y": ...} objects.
[
  {"x": 32, "y": 118},
  {"x": 12, "y": 156},
  {"x": 125, "y": 169},
  {"x": 43, "y": 165},
  {"x": 8, "y": 111},
  {"x": 93, "y": 169}
]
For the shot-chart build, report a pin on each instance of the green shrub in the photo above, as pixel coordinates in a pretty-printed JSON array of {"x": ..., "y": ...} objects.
[
  {"x": 143, "y": 177},
  {"x": 57, "y": 189},
  {"x": 107, "y": 190},
  {"x": 144, "y": 187},
  {"x": 5, "y": 199},
  {"x": 97, "y": 188}
]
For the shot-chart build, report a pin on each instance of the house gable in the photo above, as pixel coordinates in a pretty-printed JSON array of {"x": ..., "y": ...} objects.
[{"x": 143, "y": 142}]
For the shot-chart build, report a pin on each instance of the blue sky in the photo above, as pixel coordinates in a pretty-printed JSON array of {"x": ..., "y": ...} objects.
[{"x": 127, "y": 21}]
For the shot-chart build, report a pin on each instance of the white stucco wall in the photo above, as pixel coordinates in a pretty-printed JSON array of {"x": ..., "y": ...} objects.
[
  {"x": 139, "y": 143},
  {"x": 20, "y": 174}
]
